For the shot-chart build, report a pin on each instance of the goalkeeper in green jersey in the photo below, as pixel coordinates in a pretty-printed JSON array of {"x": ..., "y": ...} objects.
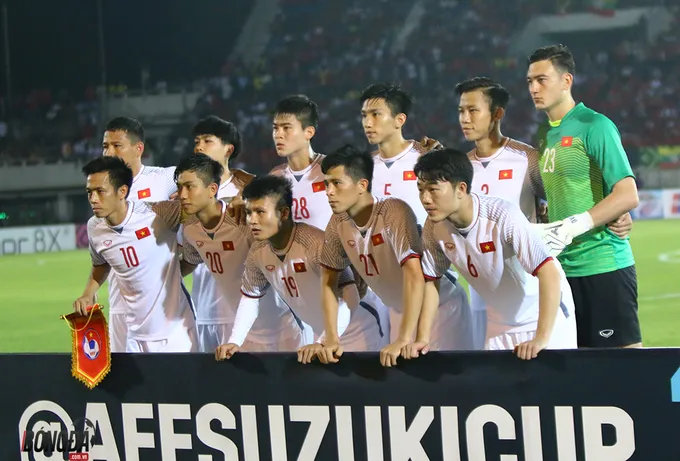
[{"x": 588, "y": 183}]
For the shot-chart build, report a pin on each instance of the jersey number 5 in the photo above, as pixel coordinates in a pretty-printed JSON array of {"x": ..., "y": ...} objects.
[
  {"x": 300, "y": 210},
  {"x": 549, "y": 160}
]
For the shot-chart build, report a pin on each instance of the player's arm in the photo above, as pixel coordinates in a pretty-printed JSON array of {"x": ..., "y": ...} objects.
[
  {"x": 405, "y": 242},
  {"x": 170, "y": 212},
  {"x": 534, "y": 257},
  {"x": 537, "y": 187},
  {"x": 242, "y": 176},
  {"x": 98, "y": 275},
  {"x": 190, "y": 258}
]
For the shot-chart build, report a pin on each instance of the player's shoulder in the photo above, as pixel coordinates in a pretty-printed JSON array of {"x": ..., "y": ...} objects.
[
  {"x": 279, "y": 170},
  {"x": 168, "y": 171},
  {"x": 521, "y": 148},
  {"x": 472, "y": 155},
  {"x": 418, "y": 148},
  {"x": 497, "y": 209},
  {"x": 308, "y": 235},
  {"x": 143, "y": 208},
  {"x": 393, "y": 205},
  {"x": 590, "y": 117},
  {"x": 259, "y": 246},
  {"x": 94, "y": 223},
  {"x": 337, "y": 219}
]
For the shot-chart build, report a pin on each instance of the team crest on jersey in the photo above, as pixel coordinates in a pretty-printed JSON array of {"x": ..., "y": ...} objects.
[
  {"x": 107, "y": 243},
  {"x": 270, "y": 268},
  {"x": 450, "y": 246},
  {"x": 144, "y": 193},
  {"x": 91, "y": 344},
  {"x": 351, "y": 243},
  {"x": 377, "y": 239},
  {"x": 199, "y": 244}
]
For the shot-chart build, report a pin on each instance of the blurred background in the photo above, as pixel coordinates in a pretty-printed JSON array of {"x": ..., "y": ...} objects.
[{"x": 69, "y": 66}]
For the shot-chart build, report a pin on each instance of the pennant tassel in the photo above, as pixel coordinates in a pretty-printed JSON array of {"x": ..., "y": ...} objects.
[{"x": 90, "y": 351}]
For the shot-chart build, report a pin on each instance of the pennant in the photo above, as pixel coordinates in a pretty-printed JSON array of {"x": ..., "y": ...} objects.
[
  {"x": 318, "y": 186},
  {"x": 377, "y": 239},
  {"x": 409, "y": 176},
  {"x": 299, "y": 267},
  {"x": 505, "y": 174},
  {"x": 487, "y": 247},
  {"x": 144, "y": 193},
  {"x": 567, "y": 141},
  {"x": 228, "y": 246},
  {"x": 91, "y": 351},
  {"x": 142, "y": 233}
]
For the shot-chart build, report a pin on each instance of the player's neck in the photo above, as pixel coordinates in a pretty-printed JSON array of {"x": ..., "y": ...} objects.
[
  {"x": 465, "y": 214},
  {"x": 362, "y": 210},
  {"x": 298, "y": 161},
  {"x": 210, "y": 216},
  {"x": 136, "y": 168},
  {"x": 393, "y": 146},
  {"x": 489, "y": 146},
  {"x": 226, "y": 176},
  {"x": 280, "y": 240},
  {"x": 118, "y": 216},
  {"x": 560, "y": 110}
]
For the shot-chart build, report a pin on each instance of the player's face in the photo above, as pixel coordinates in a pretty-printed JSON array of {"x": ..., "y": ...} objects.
[
  {"x": 289, "y": 136},
  {"x": 213, "y": 147},
  {"x": 103, "y": 197},
  {"x": 118, "y": 144},
  {"x": 263, "y": 217},
  {"x": 342, "y": 192},
  {"x": 193, "y": 194},
  {"x": 547, "y": 86},
  {"x": 440, "y": 199},
  {"x": 378, "y": 122},
  {"x": 474, "y": 115}
]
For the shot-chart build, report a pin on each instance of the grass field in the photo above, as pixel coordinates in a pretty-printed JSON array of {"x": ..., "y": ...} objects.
[{"x": 36, "y": 289}]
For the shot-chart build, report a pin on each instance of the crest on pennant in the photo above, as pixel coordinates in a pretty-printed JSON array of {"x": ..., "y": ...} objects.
[{"x": 90, "y": 349}]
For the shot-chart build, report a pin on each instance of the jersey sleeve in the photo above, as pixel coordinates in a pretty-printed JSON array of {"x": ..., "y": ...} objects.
[
  {"x": 535, "y": 174},
  {"x": 434, "y": 260},
  {"x": 603, "y": 144},
  {"x": 254, "y": 284},
  {"x": 346, "y": 278},
  {"x": 526, "y": 243},
  {"x": 190, "y": 254},
  {"x": 170, "y": 211},
  {"x": 333, "y": 255},
  {"x": 168, "y": 181},
  {"x": 402, "y": 228},
  {"x": 97, "y": 258}
]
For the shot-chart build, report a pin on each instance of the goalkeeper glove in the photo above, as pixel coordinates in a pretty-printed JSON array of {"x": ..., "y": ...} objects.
[{"x": 558, "y": 235}]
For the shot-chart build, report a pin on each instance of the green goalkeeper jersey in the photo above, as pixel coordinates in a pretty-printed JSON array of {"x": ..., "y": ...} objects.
[{"x": 582, "y": 159}]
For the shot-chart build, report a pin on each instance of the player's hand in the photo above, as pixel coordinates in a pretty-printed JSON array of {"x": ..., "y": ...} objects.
[
  {"x": 542, "y": 213},
  {"x": 390, "y": 353},
  {"x": 237, "y": 209},
  {"x": 553, "y": 236},
  {"x": 330, "y": 352},
  {"x": 415, "y": 350},
  {"x": 308, "y": 353},
  {"x": 622, "y": 226},
  {"x": 430, "y": 144},
  {"x": 530, "y": 349},
  {"x": 174, "y": 196},
  {"x": 226, "y": 351},
  {"x": 83, "y": 304}
]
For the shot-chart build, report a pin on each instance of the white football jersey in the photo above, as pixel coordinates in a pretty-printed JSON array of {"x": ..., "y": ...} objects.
[
  {"x": 204, "y": 291},
  {"x": 378, "y": 250},
  {"x": 499, "y": 255},
  {"x": 394, "y": 177},
  {"x": 310, "y": 204},
  {"x": 152, "y": 184},
  {"x": 223, "y": 250},
  {"x": 512, "y": 173},
  {"x": 142, "y": 253},
  {"x": 295, "y": 274}
]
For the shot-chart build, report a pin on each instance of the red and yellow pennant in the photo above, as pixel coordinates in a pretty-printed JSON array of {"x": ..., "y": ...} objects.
[{"x": 91, "y": 351}]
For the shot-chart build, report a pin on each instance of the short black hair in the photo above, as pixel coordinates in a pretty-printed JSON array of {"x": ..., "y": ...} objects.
[
  {"x": 226, "y": 131},
  {"x": 303, "y": 108},
  {"x": 494, "y": 91},
  {"x": 358, "y": 164},
  {"x": 446, "y": 164},
  {"x": 205, "y": 168},
  {"x": 132, "y": 127},
  {"x": 270, "y": 186},
  {"x": 398, "y": 100},
  {"x": 120, "y": 174},
  {"x": 559, "y": 55}
]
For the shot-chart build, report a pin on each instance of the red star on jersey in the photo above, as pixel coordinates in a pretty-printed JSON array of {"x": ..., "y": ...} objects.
[
  {"x": 505, "y": 174},
  {"x": 409, "y": 176},
  {"x": 142, "y": 233},
  {"x": 377, "y": 239},
  {"x": 228, "y": 246},
  {"x": 567, "y": 141},
  {"x": 144, "y": 193},
  {"x": 318, "y": 186},
  {"x": 299, "y": 267},
  {"x": 487, "y": 247}
]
